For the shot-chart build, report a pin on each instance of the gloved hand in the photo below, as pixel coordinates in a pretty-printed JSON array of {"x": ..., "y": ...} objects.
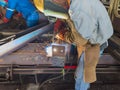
[
  {"x": 61, "y": 34},
  {"x": 5, "y": 20},
  {"x": 57, "y": 25}
]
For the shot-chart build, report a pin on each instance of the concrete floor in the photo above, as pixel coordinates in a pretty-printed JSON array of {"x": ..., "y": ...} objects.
[
  {"x": 104, "y": 82},
  {"x": 59, "y": 87}
]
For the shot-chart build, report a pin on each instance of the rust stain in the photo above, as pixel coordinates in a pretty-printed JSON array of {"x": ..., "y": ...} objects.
[{"x": 1, "y": 60}]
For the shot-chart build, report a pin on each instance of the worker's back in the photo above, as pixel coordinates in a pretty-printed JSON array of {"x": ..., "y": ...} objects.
[{"x": 91, "y": 20}]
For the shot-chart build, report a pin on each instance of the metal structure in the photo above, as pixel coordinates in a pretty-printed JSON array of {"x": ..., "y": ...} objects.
[
  {"x": 23, "y": 57},
  {"x": 21, "y": 41}
]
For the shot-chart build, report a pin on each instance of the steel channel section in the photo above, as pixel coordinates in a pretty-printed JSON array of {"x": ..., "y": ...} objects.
[
  {"x": 106, "y": 64},
  {"x": 11, "y": 35},
  {"x": 21, "y": 41},
  {"x": 59, "y": 70},
  {"x": 32, "y": 54}
]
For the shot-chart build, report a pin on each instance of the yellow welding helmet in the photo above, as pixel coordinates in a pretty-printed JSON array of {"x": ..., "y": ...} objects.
[
  {"x": 39, "y": 5},
  {"x": 49, "y": 8}
]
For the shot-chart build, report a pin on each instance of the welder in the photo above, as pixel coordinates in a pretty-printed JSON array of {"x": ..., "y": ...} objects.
[
  {"x": 90, "y": 29},
  {"x": 24, "y": 7}
]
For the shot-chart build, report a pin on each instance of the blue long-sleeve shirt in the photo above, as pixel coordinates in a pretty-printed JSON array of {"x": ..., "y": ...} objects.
[
  {"x": 25, "y": 7},
  {"x": 91, "y": 20}
]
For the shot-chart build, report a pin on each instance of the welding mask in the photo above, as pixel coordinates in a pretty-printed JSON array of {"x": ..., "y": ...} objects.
[
  {"x": 50, "y": 8},
  {"x": 3, "y": 3}
]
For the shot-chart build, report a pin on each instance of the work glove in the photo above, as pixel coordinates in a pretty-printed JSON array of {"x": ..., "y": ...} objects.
[
  {"x": 60, "y": 29},
  {"x": 72, "y": 36},
  {"x": 57, "y": 25},
  {"x": 61, "y": 34},
  {"x": 5, "y": 20}
]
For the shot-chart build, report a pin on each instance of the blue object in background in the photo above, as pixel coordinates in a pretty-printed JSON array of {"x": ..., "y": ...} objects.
[
  {"x": 3, "y": 3},
  {"x": 33, "y": 19},
  {"x": 26, "y": 8}
]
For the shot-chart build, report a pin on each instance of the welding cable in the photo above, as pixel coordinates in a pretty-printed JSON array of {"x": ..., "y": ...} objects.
[
  {"x": 54, "y": 78},
  {"x": 60, "y": 76},
  {"x": 5, "y": 40},
  {"x": 8, "y": 38}
]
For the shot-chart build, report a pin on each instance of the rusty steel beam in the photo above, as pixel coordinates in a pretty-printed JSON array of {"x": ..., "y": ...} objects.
[{"x": 21, "y": 41}]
